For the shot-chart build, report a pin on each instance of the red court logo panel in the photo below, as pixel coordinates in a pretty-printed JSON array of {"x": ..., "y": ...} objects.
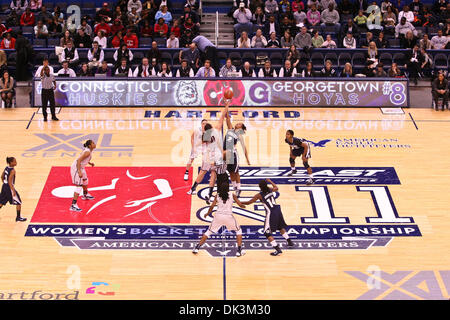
[{"x": 122, "y": 194}]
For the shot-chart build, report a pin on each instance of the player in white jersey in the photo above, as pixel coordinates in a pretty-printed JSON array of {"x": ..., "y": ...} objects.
[
  {"x": 79, "y": 176},
  {"x": 196, "y": 147},
  {"x": 223, "y": 217},
  {"x": 233, "y": 135},
  {"x": 212, "y": 153}
]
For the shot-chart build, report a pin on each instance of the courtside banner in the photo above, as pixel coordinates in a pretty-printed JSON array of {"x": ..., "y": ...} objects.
[{"x": 286, "y": 92}]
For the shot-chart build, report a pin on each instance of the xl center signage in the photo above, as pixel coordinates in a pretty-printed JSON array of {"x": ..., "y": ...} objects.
[{"x": 319, "y": 92}]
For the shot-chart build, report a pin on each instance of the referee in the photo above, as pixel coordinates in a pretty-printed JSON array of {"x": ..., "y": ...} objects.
[{"x": 48, "y": 86}]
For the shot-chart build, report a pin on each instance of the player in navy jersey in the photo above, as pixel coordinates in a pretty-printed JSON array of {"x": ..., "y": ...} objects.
[
  {"x": 299, "y": 147},
  {"x": 274, "y": 217},
  {"x": 233, "y": 135},
  {"x": 9, "y": 192}
]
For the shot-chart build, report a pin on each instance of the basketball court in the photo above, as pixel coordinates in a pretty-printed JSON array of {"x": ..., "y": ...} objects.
[{"x": 373, "y": 226}]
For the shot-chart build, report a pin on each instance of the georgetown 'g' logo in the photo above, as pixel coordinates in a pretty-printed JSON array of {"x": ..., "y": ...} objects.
[{"x": 186, "y": 93}]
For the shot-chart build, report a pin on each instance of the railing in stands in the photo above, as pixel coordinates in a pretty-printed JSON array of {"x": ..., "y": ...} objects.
[{"x": 216, "y": 35}]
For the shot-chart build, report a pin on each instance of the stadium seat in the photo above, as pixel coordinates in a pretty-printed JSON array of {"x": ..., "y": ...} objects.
[
  {"x": 386, "y": 58},
  {"x": 109, "y": 57},
  {"x": 399, "y": 59},
  {"x": 39, "y": 58},
  {"x": 304, "y": 58},
  {"x": 53, "y": 59},
  {"x": 53, "y": 42},
  {"x": 27, "y": 30},
  {"x": 40, "y": 43},
  {"x": 222, "y": 56},
  {"x": 145, "y": 42},
  {"x": 175, "y": 59},
  {"x": 344, "y": 57},
  {"x": 317, "y": 59},
  {"x": 250, "y": 57},
  {"x": 12, "y": 59},
  {"x": 161, "y": 42},
  {"x": 333, "y": 58},
  {"x": 358, "y": 60},
  {"x": 82, "y": 54},
  {"x": 440, "y": 61},
  {"x": 235, "y": 58},
  {"x": 166, "y": 57},
  {"x": 394, "y": 43},
  {"x": 137, "y": 57},
  {"x": 277, "y": 59}
]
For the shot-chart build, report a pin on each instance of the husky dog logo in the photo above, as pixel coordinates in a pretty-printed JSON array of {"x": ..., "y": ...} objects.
[{"x": 186, "y": 93}]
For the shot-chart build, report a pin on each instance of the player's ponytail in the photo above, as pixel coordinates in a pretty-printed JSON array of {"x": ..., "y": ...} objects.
[
  {"x": 264, "y": 187},
  {"x": 87, "y": 143},
  {"x": 9, "y": 160},
  {"x": 223, "y": 191}
]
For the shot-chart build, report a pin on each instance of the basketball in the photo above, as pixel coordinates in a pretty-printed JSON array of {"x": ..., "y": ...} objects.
[{"x": 228, "y": 94}]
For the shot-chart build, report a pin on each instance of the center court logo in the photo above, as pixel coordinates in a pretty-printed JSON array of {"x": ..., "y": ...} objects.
[{"x": 70, "y": 145}]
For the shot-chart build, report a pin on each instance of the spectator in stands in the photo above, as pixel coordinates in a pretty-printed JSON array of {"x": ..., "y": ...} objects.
[
  {"x": 348, "y": 71},
  {"x": 372, "y": 54},
  {"x": 147, "y": 30},
  {"x": 403, "y": 27},
  {"x": 143, "y": 70},
  {"x": 208, "y": 49},
  {"x": 414, "y": 61},
  {"x": 3, "y": 29},
  {"x": 259, "y": 18},
  {"x": 104, "y": 14},
  {"x": 40, "y": 30},
  {"x": 330, "y": 17},
  {"x": 116, "y": 27},
  {"x": 349, "y": 42},
  {"x": 439, "y": 6},
  {"x": 117, "y": 40},
  {"x": 425, "y": 42},
  {"x": 53, "y": 27},
  {"x": 394, "y": 71},
  {"x": 185, "y": 71},
  {"x": 134, "y": 17},
  {"x": 407, "y": 14},
  {"x": 59, "y": 15},
  {"x": 165, "y": 71},
  {"x": 440, "y": 91},
  {"x": 95, "y": 56},
  {"x": 316, "y": 3},
  {"x": 66, "y": 71},
  {"x": 191, "y": 55},
  {"x": 369, "y": 38},
  {"x": 273, "y": 41},
  {"x": 191, "y": 3},
  {"x": 101, "y": 39},
  {"x": 84, "y": 71},
  {"x": 345, "y": 9},
  {"x": 329, "y": 43},
  {"x": 313, "y": 16},
  {"x": 246, "y": 71},
  {"x": 351, "y": 27},
  {"x": 286, "y": 40},
  {"x": 130, "y": 39},
  {"x": 368, "y": 70},
  {"x": 267, "y": 71},
  {"x": 154, "y": 53},
  {"x": 439, "y": 41},
  {"x": 70, "y": 54},
  {"x": 300, "y": 18},
  {"x": 389, "y": 20},
  {"x": 176, "y": 29},
  {"x": 309, "y": 71},
  {"x": 161, "y": 29},
  {"x": 303, "y": 40},
  {"x": 271, "y": 26},
  {"x": 287, "y": 71},
  {"x": 381, "y": 41},
  {"x": 24, "y": 55},
  {"x": 163, "y": 13},
  {"x": 293, "y": 56},
  {"x": 7, "y": 89},
  {"x": 243, "y": 17},
  {"x": 104, "y": 69},
  {"x": 385, "y": 5},
  {"x": 18, "y": 5},
  {"x": 149, "y": 10},
  {"x": 328, "y": 71},
  {"x": 409, "y": 41},
  {"x": 8, "y": 42},
  {"x": 119, "y": 14},
  {"x": 87, "y": 28},
  {"x": 3, "y": 62},
  {"x": 27, "y": 18},
  {"x": 379, "y": 72},
  {"x": 317, "y": 39},
  {"x": 123, "y": 53},
  {"x": 44, "y": 64},
  {"x": 13, "y": 19},
  {"x": 188, "y": 13},
  {"x": 43, "y": 14},
  {"x": 286, "y": 25},
  {"x": 271, "y": 7},
  {"x": 206, "y": 71},
  {"x": 186, "y": 38},
  {"x": 226, "y": 69},
  {"x": 154, "y": 67},
  {"x": 172, "y": 41},
  {"x": 137, "y": 4},
  {"x": 123, "y": 70},
  {"x": 361, "y": 21},
  {"x": 82, "y": 40},
  {"x": 190, "y": 25},
  {"x": 258, "y": 40},
  {"x": 66, "y": 38}
]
